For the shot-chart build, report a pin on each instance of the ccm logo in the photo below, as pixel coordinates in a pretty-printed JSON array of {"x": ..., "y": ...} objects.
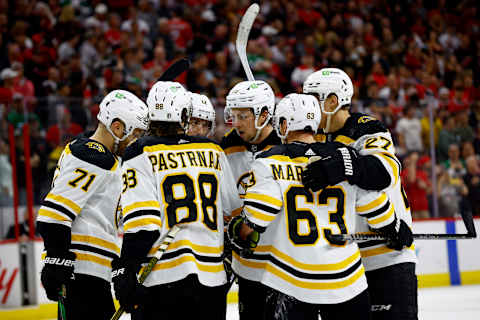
[
  {"x": 59, "y": 261},
  {"x": 381, "y": 307},
  {"x": 118, "y": 272}
]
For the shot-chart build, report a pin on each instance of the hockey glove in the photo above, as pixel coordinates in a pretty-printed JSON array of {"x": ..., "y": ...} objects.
[
  {"x": 331, "y": 167},
  {"x": 242, "y": 246},
  {"x": 129, "y": 292},
  {"x": 57, "y": 271},
  {"x": 399, "y": 234}
]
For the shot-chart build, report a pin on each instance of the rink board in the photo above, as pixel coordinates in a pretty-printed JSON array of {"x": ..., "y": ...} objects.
[{"x": 441, "y": 263}]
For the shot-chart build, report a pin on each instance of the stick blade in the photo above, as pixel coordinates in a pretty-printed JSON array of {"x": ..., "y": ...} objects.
[
  {"x": 469, "y": 224},
  {"x": 176, "y": 69},
  {"x": 246, "y": 25}
]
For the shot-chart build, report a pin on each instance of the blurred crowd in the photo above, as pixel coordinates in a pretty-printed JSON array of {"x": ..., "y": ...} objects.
[{"x": 58, "y": 58}]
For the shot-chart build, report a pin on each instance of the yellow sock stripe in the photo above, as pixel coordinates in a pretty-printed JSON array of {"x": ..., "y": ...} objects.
[
  {"x": 300, "y": 283},
  {"x": 307, "y": 266},
  {"x": 53, "y": 215},
  {"x": 67, "y": 202},
  {"x": 96, "y": 241},
  {"x": 372, "y": 205}
]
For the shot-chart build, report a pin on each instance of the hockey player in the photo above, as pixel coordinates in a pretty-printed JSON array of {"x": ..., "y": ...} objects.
[
  {"x": 249, "y": 109},
  {"x": 78, "y": 220},
  {"x": 306, "y": 273},
  {"x": 202, "y": 122},
  {"x": 171, "y": 177},
  {"x": 373, "y": 166}
]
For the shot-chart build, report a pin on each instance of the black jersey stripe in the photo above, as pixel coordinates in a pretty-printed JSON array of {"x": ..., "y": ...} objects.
[
  {"x": 394, "y": 159},
  {"x": 377, "y": 212},
  {"x": 60, "y": 208},
  {"x": 140, "y": 213},
  {"x": 304, "y": 275},
  {"x": 370, "y": 243},
  {"x": 261, "y": 206},
  {"x": 182, "y": 251},
  {"x": 87, "y": 248}
]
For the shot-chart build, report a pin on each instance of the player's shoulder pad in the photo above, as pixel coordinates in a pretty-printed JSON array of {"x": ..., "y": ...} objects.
[
  {"x": 280, "y": 149},
  {"x": 360, "y": 124},
  {"x": 93, "y": 152},
  {"x": 231, "y": 139},
  {"x": 325, "y": 149},
  {"x": 197, "y": 139}
]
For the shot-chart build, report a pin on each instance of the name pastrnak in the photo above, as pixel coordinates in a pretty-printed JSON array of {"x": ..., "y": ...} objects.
[{"x": 183, "y": 159}]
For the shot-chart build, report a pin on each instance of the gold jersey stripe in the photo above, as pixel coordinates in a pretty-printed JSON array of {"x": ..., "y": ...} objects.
[
  {"x": 115, "y": 165},
  {"x": 372, "y": 205},
  {"x": 268, "y": 199},
  {"x": 67, "y": 202},
  {"x": 67, "y": 149},
  {"x": 94, "y": 259},
  {"x": 288, "y": 159},
  {"x": 392, "y": 164},
  {"x": 380, "y": 250},
  {"x": 320, "y": 137},
  {"x": 186, "y": 146},
  {"x": 196, "y": 247},
  {"x": 307, "y": 266},
  {"x": 260, "y": 216},
  {"x": 141, "y": 204},
  {"x": 382, "y": 218},
  {"x": 235, "y": 149},
  {"x": 344, "y": 139},
  {"x": 300, "y": 283},
  {"x": 96, "y": 241},
  {"x": 142, "y": 222},
  {"x": 51, "y": 214},
  {"x": 161, "y": 265}
]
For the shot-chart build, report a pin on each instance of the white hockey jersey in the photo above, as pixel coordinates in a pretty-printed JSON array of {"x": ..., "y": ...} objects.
[
  {"x": 167, "y": 180},
  {"x": 368, "y": 136},
  {"x": 85, "y": 194},
  {"x": 241, "y": 155},
  {"x": 293, "y": 255}
]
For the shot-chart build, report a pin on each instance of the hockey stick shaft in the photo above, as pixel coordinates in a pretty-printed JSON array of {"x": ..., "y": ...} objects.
[
  {"x": 418, "y": 236},
  {"x": 153, "y": 261},
  {"x": 176, "y": 69},
  {"x": 61, "y": 303},
  {"x": 242, "y": 37}
]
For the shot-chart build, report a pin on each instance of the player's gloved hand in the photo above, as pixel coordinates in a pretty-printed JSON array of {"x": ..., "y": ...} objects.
[
  {"x": 399, "y": 234},
  {"x": 57, "y": 271},
  {"x": 245, "y": 245},
  {"x": 332, "y": 166},
  {"x": 129, "y": 292}
]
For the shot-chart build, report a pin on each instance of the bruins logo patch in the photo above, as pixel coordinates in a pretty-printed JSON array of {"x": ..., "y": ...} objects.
[
  {"x": 364, "y": 119},
  {"x": 95, "y": 145},
  {"x": 246, "y": 181}
]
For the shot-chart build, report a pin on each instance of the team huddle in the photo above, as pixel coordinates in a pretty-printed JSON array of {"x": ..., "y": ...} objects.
[{"x": 259, "y": 207}]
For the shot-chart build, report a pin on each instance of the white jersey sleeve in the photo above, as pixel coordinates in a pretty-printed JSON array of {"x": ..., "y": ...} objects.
[
  {"x": 231, "y": 201},
  {"x": 375, "y": 207},
  {"x": 263, "y": 199},
  {"x": 140, "y": 206},
  {"x": 75, "y": 182}
]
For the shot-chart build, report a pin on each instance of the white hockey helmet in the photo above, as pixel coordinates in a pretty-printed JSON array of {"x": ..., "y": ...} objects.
[
  {"x": 169, "y": 101},
  {"x": 256, "y": 95},
  {"x": 328, "y": 81},
  {"x": 125, "y": 106},
  {"x": 301, "y": 112},
  {"x": 203, "y": 109}
]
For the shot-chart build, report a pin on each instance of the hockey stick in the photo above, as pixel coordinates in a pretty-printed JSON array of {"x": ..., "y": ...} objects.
[
  {"x": 176, "y": 69},
  {"x": 242, "y": 37},
  {"x": 467, "y": 220},
  {"x": 61, "y": 303},
  {"x": 153, "y": 261}
]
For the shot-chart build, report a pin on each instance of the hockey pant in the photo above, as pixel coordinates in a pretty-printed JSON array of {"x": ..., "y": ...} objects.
[
  {"x": 89, "y": 297},
  {"x": 183, "y": 300},
  {"x": 393, "y": 292}
]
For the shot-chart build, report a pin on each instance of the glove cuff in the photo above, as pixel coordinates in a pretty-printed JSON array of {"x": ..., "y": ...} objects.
[{"x": 66, "y": 260}]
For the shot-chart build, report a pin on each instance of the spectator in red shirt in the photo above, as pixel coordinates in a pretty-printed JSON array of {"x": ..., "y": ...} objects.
[
  {"x": 64, "y": 127},
  {"x": 417, "y": 186},
  {"x": 23, "y": 85},
  {"x": 180, "y": 30}
]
